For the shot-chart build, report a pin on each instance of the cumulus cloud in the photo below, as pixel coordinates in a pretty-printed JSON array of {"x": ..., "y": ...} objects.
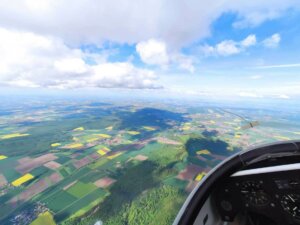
[
  {"x": 154, "y": 52},
  {"x": 177, "y": 22},
  {"x": 273, "y": 41},
  {"x": 71, "y": 65},
  {"x": 229, "y": 47},
  {"x": 31, "y": 60},
  {"x": 249, "y": 41},
  {"x": 40, "y": 40}
]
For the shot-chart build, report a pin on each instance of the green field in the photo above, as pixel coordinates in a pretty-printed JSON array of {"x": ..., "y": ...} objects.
[
  {"x": 80, "y": 189},
  {"x": 59, "y": 201},
  {"x": 181, "y": 184},
  {"x": 44, "y": 219},
  {"x": 11, "y": 174},
  {"x": 81, "y": 204}
]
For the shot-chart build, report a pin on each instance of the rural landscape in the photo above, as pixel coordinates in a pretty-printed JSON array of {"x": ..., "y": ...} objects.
[
  {"x": 85, "y": 162},
  {"x": 113, "y": 112}
]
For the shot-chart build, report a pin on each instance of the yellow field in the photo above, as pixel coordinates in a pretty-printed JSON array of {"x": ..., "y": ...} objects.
[
  {"x": 186, "y": 128},
  {"x": 282, "y": 138},
  {"x": 229, "y": 123},
  {"x": 92, "y": 139},
  {"x": 45, "y": 218},
  {"x": 55, "y": 144},
  {"x": 79, "y": 129},
  {"x": 237, "y": 136},
  {"x": 200, "y": 176},
  {"x": 212, "y": 122},
  {"x": 75, "y": 139},
  {"x": 133, "y": 132},
  {"x": 115, "y": 155},
  {"x": 230, "y": 148},
  {"x": 75, "y": 145},
  {"x": 106, "y": 148},
  {"x": 149, "y": 128},
  {"x": 109, "y": 128},
  {"x": 8, "y": 136},
  {"x": 22, "y": 179},
  {"x": 203, "y": 152},
  {"x": 3, "y": 157},
  {"x": 104, "y": 135},
  {"x": 103, "y": 151}
]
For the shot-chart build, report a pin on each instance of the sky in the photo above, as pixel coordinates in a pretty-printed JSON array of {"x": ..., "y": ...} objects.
[{"x": 217, "y": 49}]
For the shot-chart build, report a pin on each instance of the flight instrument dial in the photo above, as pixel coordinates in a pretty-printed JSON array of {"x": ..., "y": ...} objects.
[
  {"x": 291, "y": 204},
  {"x": 254, "y": 194}
]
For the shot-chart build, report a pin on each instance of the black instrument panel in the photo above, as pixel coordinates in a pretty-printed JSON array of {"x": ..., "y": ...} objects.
[{"x": 275, "y": 195}]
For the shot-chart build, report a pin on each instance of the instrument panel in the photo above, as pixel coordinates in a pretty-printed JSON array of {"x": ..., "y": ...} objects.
[
  {"x": 275, "y": 195},
  {"x": 254, "y": 194}
]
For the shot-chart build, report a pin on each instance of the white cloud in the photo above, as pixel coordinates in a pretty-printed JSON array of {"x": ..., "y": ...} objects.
[
  {"x": 71, "y": 65},
  {"x": 250, "y": 94},
  {"x": 229, "y": 47},
  {"x": 184, "y": 62},
  {"x": 278, "y": 66},
  {"x": 256, "y": 17},
  {"x": 45, "y": 52},
  {"x": 273, "y": 41},
  {"x": 249, "y": 41},
  {"x": 175, "y": 22},
  {"x": 231, "y": 92},
  {"x": 31, "y": 60},
  {"x": 283, "y": 96},
  {"x": 121, "y": 75},
  {"x": 19, "y": 82},
  {"x": 154, "y": 52}
]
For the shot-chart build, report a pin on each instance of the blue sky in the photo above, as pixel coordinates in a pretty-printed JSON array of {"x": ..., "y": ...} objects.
[{"x": 223, "y": 49}]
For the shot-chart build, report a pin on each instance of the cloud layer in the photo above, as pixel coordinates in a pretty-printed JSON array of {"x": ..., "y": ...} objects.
[
  {"x": 40, "y": 41},
  {"x": 176, "y": 22},
  {"x": 31, "y": 60}
]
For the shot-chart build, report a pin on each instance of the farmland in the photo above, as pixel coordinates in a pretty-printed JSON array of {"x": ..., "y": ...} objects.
[
  {"x": 78, "y": 162},
  {"x": 44, "y": 219}
]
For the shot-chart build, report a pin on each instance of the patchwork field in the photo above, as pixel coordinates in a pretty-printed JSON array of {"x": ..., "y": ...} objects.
[{"x": 81, "y": 162}]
